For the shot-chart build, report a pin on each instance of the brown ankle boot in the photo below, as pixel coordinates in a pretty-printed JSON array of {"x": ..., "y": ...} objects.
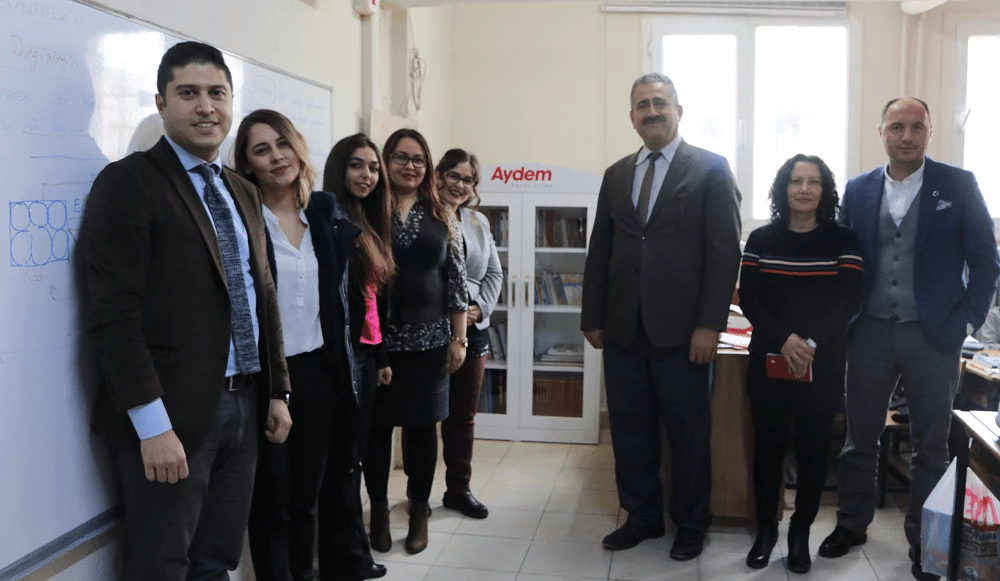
[
  {"x": 379, "y": 536},
  {"x": 416, "y": 539}
]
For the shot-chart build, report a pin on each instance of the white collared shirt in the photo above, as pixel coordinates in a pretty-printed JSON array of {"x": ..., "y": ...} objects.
[
  {"x": 659, "y": 172},
  {"x": 899, "y": 195},
  {"x": 298, "y": 287}
]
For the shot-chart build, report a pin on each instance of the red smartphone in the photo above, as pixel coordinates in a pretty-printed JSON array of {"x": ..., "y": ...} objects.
[{"x": 777, "y": 368}]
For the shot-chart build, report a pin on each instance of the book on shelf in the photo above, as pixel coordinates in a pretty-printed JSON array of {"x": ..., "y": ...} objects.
[
  {"x": 556, "y": 288},
  {"x": 499, "y": 224},
  {"x": 503, "y": 289},
  {"x": 553, "y": 229},
  {"x": 557, "y": 395},
  {"x": 498, "y": 341},
  {"x": 493, "y": 395}
]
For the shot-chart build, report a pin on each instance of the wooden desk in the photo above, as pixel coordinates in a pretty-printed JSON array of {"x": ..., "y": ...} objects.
[
  {"x": 980, "y": 388},
  {"x": 732, "y": 441},
  {"x": 982, "y": 429}
]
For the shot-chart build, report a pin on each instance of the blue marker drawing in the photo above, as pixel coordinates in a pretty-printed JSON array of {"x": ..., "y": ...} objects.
[{"x": 39, "y": 233}]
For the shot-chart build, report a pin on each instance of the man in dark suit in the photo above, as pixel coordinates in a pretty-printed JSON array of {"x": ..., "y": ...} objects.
[
  {"x": 180, "y": 308},
  {"x": 662, "y": 266},
  {"x": 921, "y": 223}
]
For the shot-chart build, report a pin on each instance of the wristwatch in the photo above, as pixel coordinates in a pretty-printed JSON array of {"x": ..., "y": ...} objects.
[
  {"x": 463, "y": 341},
  {"x": 285, "y": 396}
]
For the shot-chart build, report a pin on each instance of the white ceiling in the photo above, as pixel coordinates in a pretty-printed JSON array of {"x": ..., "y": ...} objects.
[{"x": 418, "y": 3}]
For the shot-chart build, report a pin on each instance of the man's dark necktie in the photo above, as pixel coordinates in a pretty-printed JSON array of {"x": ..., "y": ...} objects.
[
  {"x": 247, "y": 358},
  {"x": 645, "y": 189}
]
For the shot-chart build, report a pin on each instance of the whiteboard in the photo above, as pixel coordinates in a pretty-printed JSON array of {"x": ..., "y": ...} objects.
[{"x": 77, "y": 89}]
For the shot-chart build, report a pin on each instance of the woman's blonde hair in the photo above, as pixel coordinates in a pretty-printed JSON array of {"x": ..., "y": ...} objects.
[{"x": 284, "y": 128}]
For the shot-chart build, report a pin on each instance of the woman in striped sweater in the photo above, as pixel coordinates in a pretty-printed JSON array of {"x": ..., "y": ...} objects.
[{"x": 800, "y": 283}]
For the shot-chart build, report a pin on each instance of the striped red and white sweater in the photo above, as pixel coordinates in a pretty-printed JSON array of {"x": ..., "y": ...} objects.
[{"x": 807, "y": 283}]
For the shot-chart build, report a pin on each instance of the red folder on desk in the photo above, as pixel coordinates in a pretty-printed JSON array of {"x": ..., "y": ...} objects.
[{"x": 777, "y": 368}]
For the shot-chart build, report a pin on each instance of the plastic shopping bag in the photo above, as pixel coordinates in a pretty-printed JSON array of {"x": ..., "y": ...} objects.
[{"x": 980, "y": 557}]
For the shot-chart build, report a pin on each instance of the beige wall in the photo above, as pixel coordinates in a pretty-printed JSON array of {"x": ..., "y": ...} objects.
[
  {"x": 549, "y": 82},
  {"x": 529, "y": 82},
  {"x": 432, "y": 36}
]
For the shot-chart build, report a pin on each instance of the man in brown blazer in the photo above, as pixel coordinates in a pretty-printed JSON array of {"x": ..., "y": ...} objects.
[
  {"x": 180, "y": 310},
  {"x": 661, "y": 269}
]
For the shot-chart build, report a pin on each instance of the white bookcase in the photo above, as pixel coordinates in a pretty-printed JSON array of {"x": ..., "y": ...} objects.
[{"x": 542, "y": 380}]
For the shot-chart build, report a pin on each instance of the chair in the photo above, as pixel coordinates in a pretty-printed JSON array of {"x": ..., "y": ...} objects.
[{"x": 891, "y": 436}]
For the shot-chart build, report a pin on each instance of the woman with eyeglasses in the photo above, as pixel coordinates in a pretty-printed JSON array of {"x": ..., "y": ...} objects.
[
  {"x": 457, "y": 177},
  {"x": 425, "y": 335},
  {"x": 800, "y": 283}
]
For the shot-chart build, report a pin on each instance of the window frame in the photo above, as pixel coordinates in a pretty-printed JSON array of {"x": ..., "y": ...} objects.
[
  {"x": 744, "y": 28},
  {"x": 965, "y": 31}
]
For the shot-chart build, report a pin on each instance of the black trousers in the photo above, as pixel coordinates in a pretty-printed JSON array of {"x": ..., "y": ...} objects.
[
  {"x": 311, "y": 482},
  {"x": 193, "y": 529},
  {"x": 421, "y": 460},
  {"x": 805, "y": 410},
  {"x": 647, "y": 386}
]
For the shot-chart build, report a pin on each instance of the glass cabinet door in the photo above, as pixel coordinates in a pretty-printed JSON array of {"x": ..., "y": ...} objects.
[
  {"x": 554, "y": 258},
  {"x": 499, "y": 396}
]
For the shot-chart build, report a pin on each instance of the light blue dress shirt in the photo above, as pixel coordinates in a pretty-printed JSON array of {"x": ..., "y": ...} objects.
[
  {"x": 151, "y": 419},
  {"x": 659, "y": 172}
]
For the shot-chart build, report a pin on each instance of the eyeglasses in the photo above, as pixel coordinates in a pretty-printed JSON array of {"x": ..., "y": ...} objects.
[
  {"x": 400, "y": 158},
  {"x": 453, "y": 178}
]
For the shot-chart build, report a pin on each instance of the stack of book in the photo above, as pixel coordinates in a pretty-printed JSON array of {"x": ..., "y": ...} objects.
[
  {"x": 554, "y": 230},
  {"x": 499, "y": 224},
  {"x": 985, "y": 364},
  {"x": 554, "y": 288},
  {"x": 558, "y": 395},
  {"x": 498, "y": 342},
  {"x": 563, "y": 354}
]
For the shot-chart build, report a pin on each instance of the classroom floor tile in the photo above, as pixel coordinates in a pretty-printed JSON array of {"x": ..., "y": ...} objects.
[{"x": 551, "y": 504}]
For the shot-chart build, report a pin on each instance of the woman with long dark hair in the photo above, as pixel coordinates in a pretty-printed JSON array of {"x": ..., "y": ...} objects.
[
  {"x": 356, "y": 173},
  {"x": 311, "y": 482},
  {"x": 425, "y": 335},
  {"x": 800, "y": 284}
]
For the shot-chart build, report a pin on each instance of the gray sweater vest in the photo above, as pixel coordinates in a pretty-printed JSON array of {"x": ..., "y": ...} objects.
[{"x": 893, "y": 296}]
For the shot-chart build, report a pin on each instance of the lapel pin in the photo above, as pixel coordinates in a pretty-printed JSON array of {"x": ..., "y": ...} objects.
[{"x": 935, "y": 193}]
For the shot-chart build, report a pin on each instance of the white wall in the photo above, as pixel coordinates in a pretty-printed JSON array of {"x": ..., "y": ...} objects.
[{"x": 318, "y": 40}]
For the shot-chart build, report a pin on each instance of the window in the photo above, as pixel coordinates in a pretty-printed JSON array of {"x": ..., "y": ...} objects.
[
  {"x": 758, "y": 93},
  {"x": 977, "y": 126}
]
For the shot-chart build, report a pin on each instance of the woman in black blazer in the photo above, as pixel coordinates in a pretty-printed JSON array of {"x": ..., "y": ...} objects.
[
  {"x": 355, "y": 172},
  {"x": 313, "y": 479}
]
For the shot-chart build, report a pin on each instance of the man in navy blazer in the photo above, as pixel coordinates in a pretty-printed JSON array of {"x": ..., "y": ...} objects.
[{"x": 921, "y": 223}]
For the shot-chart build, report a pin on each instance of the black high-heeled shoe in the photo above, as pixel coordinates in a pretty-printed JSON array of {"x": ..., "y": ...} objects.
[
  {"x": 798, "y": 549},
  {"x": 760, "y": 554}
]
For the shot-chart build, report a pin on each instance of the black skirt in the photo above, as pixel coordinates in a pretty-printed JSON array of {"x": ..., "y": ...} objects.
[{"x": 418, "y": 394}]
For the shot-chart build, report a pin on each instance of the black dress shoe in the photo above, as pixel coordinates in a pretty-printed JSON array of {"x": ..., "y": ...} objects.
[
  {"x": 760, "y": 553},
  {"x": 465, "y": 503},
  {"x": 630, "y": 535},
  {"x": 375, "y": 571},
  {"x": 687, "y": 545},
  {"x": 916, "y": 567},
  {"x": 798, "y": 549},
  {"x": 840, "y": 541}
]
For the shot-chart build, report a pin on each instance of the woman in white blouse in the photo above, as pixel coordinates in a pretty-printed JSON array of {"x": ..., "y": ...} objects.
[
  {"x": 310, "y": 480},
  {"x": 457, "y": 178}
]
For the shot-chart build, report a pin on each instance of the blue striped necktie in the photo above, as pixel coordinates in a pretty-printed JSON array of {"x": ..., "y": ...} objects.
[{"x": 247, "y": 358}]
